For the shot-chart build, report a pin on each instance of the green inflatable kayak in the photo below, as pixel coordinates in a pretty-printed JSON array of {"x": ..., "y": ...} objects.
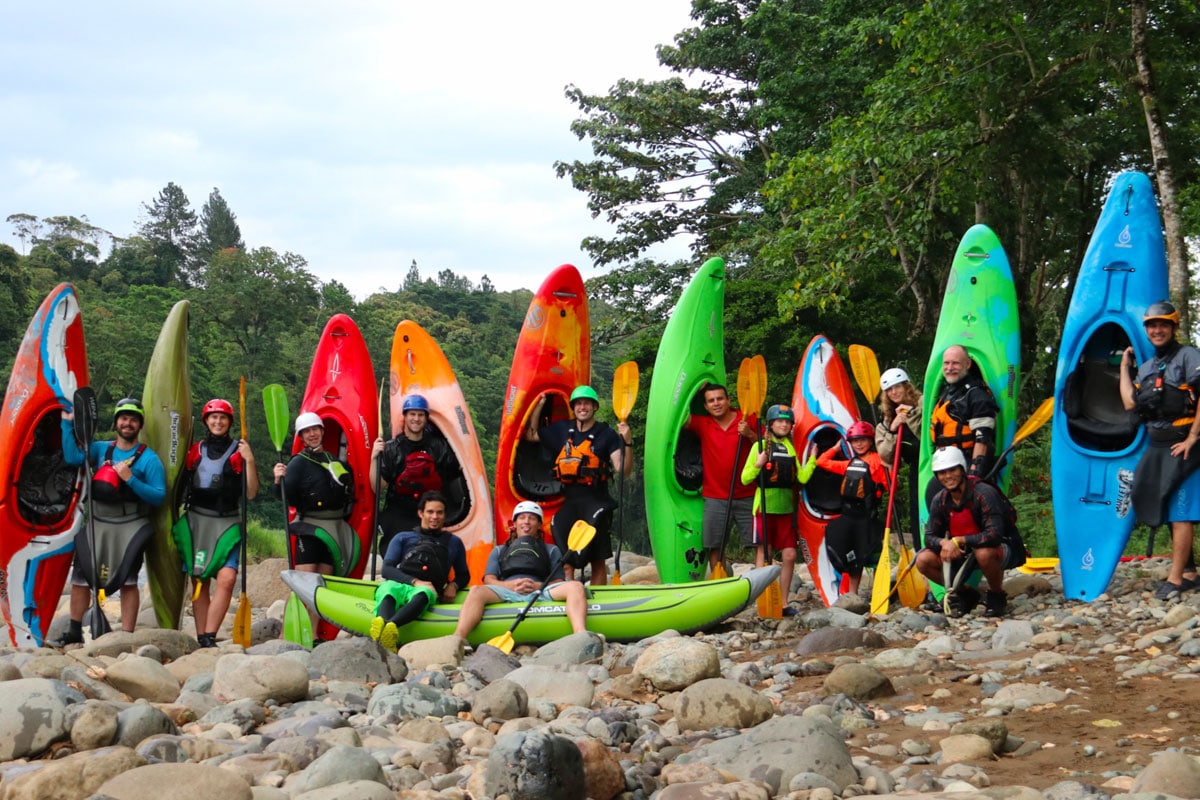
[
  {"x": 167, "y": 397},
  {"x": 690, "y": 355},
  {"x": 619, "y": 613}
]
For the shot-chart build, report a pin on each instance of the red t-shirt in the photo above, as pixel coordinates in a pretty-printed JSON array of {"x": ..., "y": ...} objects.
[{"x": 719, "y": 455}]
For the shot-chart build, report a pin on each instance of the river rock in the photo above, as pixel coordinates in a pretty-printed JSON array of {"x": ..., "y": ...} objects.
[
  {"x": 424, "y": 653},
  {"x": 338, "y": 765},
  {"x": 965, "y": 747},
  {"x": 674, "y": 664},
  {"x": 176, "y": 782},
  {"x": 502, "y": 700},
  {"x": 33, "y": 715},
  {"x": 143, "y": 678},
  {"x": 1173, "y": 773},
  {"x": 348, "y": 790},
  {"x": 259, "y": 678},
  {"x": 77, "y": 775},
  {"x": 93, "y": 724},
  {"x": 357, "y": 659},
  {"x": 407, "y": 700},
  {"x": 721, "y": 703},
  {"x": 578, "y": 648},
  {"x": 535, "y": 766},
  {"x": 141, "y": 721},
  {"x": 859, "y": 681},
  {"x": 558, "y": 685},
  {"x": 832, "y": 639}
]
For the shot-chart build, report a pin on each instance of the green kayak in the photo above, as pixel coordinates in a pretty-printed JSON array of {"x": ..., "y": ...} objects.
[
  {"x": 690, "y": 355},
  {"x": 619, "y": 613}
]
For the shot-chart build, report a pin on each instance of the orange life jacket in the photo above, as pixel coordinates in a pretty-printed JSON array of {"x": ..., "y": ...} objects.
[
  {"x": 578, "y": 463},
  {"x": 947, "y": 431}
]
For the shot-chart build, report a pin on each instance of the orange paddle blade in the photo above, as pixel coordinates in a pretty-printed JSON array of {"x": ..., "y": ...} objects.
[
  {"x": 625, "y": 389},
  {"x": 865, "y": 367}
]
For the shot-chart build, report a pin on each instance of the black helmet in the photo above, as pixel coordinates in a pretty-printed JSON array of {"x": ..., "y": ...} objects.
[
  {"x": 1162, "y": 310},
  {"x": 129, "y": 405}
]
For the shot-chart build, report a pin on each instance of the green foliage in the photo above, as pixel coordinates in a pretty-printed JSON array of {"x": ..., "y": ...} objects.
[
  {"x": 264, "y": 542},
  {"x": 218, "y": 228},
  {"x": 171, "y": 228}
]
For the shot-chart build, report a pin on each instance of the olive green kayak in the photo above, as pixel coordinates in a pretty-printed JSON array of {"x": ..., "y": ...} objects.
[{"x": 619, "y": 613}]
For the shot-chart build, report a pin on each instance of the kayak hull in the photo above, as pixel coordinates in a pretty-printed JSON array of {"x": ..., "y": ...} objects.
[
  {"x": 690, "y": 355},
  {"x": 40, "y": 497},
  {"x": 341, "y": 390},
  {"x": 420, "y": 367},
  {"x": 1096, "y": 444},
  {"x": 619, "y": 613},
  {"x": 167, "y": 431},
  {"x": 553, "y": 355},
  {"x": 825, "y": 406}
]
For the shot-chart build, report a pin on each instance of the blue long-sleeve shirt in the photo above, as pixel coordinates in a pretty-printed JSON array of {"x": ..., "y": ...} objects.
[{"x": 148, "y": 478}]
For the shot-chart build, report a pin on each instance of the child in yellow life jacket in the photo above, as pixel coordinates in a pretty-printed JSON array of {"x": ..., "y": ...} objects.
[
  {"x": 853, "y": 539},
  {"x": 773, "y": 465}
]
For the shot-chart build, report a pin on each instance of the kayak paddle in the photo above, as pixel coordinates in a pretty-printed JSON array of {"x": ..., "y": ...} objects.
[
  {"x": 882, "y": 583},
  {"x": 748, "y": 398},
  {"x": 375, "y": 532},
  {"x": 241, "y": 620},
  {"x": 625, "y": 390},
  {"x": 865, "y": 367},
  {"x": 297, "y": 625},
  {"x": 770, "y": 602},
  {"x": 580, "y": 537},
  {"x": 1036, "y": 420},
  {"x": 87, "y": 411}
]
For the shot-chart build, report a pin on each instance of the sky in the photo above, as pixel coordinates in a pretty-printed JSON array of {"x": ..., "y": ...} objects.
[{"x": 360, "y": 135}]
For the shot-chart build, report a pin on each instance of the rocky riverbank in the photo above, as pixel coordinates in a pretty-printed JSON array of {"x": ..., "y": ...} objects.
[{"x": 1059, "y": 700}]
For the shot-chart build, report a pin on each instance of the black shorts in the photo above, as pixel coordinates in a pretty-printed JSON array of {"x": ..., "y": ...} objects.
[
  {"x": 596, "y": 510},
  {"x": 311, "y": 550}
]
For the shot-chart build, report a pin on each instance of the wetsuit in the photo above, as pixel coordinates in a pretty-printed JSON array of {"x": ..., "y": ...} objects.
[
  {"x": 321, "y": 488},
  {"x": 408, "y": 469},
  {"x": 523, "y": 557},
  {"x": 982, "y": 519},
  {"x": 1165, "y": 398},
  {"x": 209, "y": 531},
  {"x": 854, "y": 538},
  {"x": 438, "y": 557},
  {"x": 965, "y": 414},
  {"x": 584, "y": 484}
]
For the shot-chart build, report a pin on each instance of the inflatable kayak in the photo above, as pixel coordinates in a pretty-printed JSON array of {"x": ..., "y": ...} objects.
[
  {"x": 1096, "y": 443},
  {"x": 552, "y": 357},
  {"x": 341, "y": 390},
  {"x": 619, "y": 613},
  {"x": 420, "y": 367},
  {"x": 689, "y": 356},
  {"x": 979, "y": 312},
  {"x": 40, "y": 509},
  {"x": 825, "y": 406},
  {"x": 167, "y": 431}
]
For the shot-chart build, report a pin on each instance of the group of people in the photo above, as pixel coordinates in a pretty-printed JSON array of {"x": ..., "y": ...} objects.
[{"x": 751, "y": 481}]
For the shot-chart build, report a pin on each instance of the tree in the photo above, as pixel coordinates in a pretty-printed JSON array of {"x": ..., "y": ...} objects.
[
  {"x": 14, "y": 302},
  {"x": 170, "y": 226},
  {"x": 26, "y": 226},
  {"x": 218, "y": 228}
]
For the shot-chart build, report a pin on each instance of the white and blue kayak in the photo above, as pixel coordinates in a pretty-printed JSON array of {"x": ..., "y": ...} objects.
[{"x": 1096, "y": 443}]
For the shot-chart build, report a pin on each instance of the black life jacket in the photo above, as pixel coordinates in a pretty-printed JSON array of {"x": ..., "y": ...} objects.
[
  {"x": 525, "y": 555},
  {"x": 429, "y": 559},
  {"x": 418, "y": 474},
  {"x": 578, "y": 463},
  {"x": 107, "y": 486},
  {"x": 858, "y": 488},
  {"x": 780, "y": 469},
  {"x": 216, "y": 480},
  {"x": 1157, "y": 400}
]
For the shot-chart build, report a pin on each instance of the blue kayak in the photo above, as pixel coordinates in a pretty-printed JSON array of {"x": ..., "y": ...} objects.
[{"x": 1096, "y": 443}]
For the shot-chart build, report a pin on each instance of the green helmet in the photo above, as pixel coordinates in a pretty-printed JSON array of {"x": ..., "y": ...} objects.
[
  {"x": 780, "y": 412},
  {"x": 585, "y": 393},
  {"x": 129, "y": 405}
]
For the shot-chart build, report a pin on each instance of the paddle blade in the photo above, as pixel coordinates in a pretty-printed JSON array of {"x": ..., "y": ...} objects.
[
  {"x": 195, "y": 590},
  {"x": 616, "y": 578},
  {"x": 581, "y": 535},
  {"x": 625, "y": 389},
  {"x": 97, "y": 621},
  {"x": 241, "y": 622},
  {"x": 297, "y": 626},
  {"x": 86, "y": 411},
  {"x": 275, "y": 407},
  {"x": 745, "y": 387},
  {"x": 910, "y": 583},
  {"x": 242, "y": 404},
  {"x": 503, "y": 642},
  {"x": 1036, "y": 420},
  {"x": 758, "y": 374},
  {"x": 865, "y": 367},
  {"x": 882, "y": 584},
  {"x": 718, "y": 572},
  {"x": 770, "y": 602}
]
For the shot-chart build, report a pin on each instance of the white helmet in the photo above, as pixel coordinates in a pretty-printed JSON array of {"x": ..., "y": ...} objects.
[
  {"x": 948, "y": 458},
  {"x": 527, "y": 507},
  {"x": 893, "y": 377},
  {"x": 308, "y": 420}
]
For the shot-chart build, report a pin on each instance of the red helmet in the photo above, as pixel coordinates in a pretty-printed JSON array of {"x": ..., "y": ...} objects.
[
  {"x": 860, "y": 430},
  {"x": 217, "y": 406}
]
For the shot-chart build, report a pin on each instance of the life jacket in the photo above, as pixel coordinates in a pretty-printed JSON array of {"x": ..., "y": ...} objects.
[
  {"x": 525, "y": 555},
  {"x": 335, "y": 493},
  {"x": 1157, "y": 400},
  {"x": 858, "y": 487},
  {"x": 946, "y": 431},
  {"x": 107, "y": 486},
  {"x": 780, "y": 469},
  {"x": 418, "y": 475},
  {"x": 578, "y": 463},
  {"x": 429, "y": 559},
  {"x": 963, "y": 522},
  {"x": 216, "y": 480}
]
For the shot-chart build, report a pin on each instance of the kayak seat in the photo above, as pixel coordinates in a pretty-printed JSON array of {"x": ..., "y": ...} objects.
[
  {"x": 1096, "y": 418},
  {"x": 823, "y": 492},
  {"x": 689, "y": 471},
  {"x": 45, "y": 483},
  {"x": 458, "y": 500},
  {"x": 533, "y": 472}
]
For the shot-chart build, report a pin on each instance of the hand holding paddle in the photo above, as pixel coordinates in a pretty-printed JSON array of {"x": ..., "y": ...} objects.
[
  {"x": 297, "y": 625},
  {"x": 625, "y": 391},
  {"x": 770, "y": 602},
  {"x": 241, "y": 619},
  {"x": 749, "y": 400},
  {"x": 580, "y": 537},
  {"x": 86, "y": 410}
]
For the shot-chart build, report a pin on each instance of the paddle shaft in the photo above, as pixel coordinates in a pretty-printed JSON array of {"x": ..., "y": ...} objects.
[
  {"x": 533, "y": 599},
  {"x": 245, "y": 488},
  {"x": 737, "y": 459},
  {"x": 85, "y": 411}
]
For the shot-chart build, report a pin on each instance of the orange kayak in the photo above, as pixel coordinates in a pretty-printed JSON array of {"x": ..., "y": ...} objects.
[
  {"x": 341, "y": 390},
  {"x": 420, "y": 367},
  {"x": 824, "y": 403},
  {"x": 552, "y": 357},
  {"x": 40, "y": 509}
]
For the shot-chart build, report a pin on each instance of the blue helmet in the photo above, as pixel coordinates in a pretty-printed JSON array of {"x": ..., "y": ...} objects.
[{"x": 415, "y": 402}]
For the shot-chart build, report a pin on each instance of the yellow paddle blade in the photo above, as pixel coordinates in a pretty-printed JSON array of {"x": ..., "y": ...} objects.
[
  {"x": 718, "y": 572},
  {"x": 195, "y": 590},
  {"x": 241, "y": 622},
  {"x": 745, "y": 386},
  {"x": 1033, "y": 565},
  {"x": 758, "y": 372},
  {"x": 503, "y": 642},
  {"x": 910, "y": 583},
  {"x": 865, "y": 367},
  {"x": 581, "y": 535},
  {"x": 100, "y": 597},
  {"x": 1036, "y": 420},
  {"x": 242, "y": 405},
  {"x": 770, "y": 602},
  {"x": 882, "y": 583},
  {"x": 625, "y": 389},
  {"x": 616, "y": 578}
]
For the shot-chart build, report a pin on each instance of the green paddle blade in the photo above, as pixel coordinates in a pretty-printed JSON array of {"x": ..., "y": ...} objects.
[
  {"x": 297, "y": 626},
  {"x": 275, "y": 406}
]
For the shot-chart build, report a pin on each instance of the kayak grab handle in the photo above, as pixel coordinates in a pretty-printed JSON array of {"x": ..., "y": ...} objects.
[{"x": 1095, "y": 502}]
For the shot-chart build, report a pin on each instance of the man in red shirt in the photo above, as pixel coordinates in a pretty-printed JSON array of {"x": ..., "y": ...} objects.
[{"x": 721, "y": 432}]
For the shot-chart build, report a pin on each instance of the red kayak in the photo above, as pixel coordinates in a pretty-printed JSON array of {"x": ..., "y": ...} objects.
[
  {"x": 40, "y": 509},
  {"x": 552, "y": 357},
  {"x": 825, "y": 406},
  {"x": 342, "y": 391}
]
